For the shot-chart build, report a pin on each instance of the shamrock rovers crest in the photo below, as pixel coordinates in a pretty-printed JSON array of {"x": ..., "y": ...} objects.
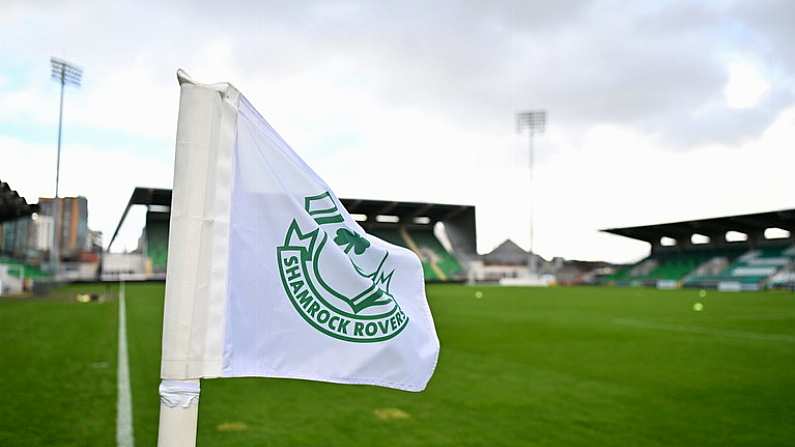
[{"x": 336, "y": 280}]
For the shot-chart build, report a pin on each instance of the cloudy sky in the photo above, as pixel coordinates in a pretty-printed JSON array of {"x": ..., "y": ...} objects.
[{"x": 658, "y": 111}]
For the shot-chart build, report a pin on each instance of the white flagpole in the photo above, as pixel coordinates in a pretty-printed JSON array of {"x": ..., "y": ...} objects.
[
  {"x": 179, "y": 413},
  {"x": 179, "y": 399},
  {"x": 194, "y": 300}
]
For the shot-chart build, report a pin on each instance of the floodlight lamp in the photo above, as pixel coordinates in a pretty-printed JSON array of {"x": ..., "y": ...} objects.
[
  {"x": 534, "y": 120},
  {"x": 65, "y": 72}
]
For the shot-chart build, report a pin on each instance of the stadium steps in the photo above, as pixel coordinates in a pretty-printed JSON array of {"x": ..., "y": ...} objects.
[
  {"x": 711, "y": 267},
  {"x": 644, "y": 267},
  {"x": 437, "y": 262},
  {"x": 620, "y": 276},
  {"x": 431, "y": 262},
  {"x": 756, "y": 266},
  {"x": 634, "y": 274},
  {"x": 157, "y": 245},
  {"x": 678, "y": 267},
  {"x": 393, "y": 236},
  {"x": 428, "y": 242},
  {"x": 748, "y": 268}
]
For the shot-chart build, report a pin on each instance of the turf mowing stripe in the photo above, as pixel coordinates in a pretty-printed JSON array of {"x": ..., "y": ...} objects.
[
  {"x": 124, "y": 428},
  {"x": 740, "y": 335}
]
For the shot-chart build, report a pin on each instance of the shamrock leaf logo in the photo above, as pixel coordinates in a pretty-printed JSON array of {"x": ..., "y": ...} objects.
[{"x": 351, "y": 240}]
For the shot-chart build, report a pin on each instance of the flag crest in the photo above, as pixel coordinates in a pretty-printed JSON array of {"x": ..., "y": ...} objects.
[{"x": 269, "y": 275}]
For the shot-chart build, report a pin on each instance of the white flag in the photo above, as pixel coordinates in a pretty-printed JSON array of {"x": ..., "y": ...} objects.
[{"x": 269, "y": 275}]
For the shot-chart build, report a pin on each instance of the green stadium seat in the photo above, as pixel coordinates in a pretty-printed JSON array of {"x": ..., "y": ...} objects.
[
  {"x": 425, "y": 239},
  {"x": 157, "y": 243},
  {"x": 391, "y": 235},
  {"x": 18, "y": 268},
  {"x": 675, "y": 266},
  {"x": 429, "y": 247}
]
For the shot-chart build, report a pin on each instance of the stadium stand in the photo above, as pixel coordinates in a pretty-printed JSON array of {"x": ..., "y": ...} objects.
[
  {"x": 720, "y": 263},
  {"x": 391, "y": 235},
  {"x": 411, "y": 225},
  {"x": 400, "y": 236},
  {"x": 416, "y": 229},
  {"x": 430, "y": 248},
  {"x": 12, "y": 205},
  {"x": 573, "y": 272},
  {"x": 749, "y": 270},
  {"x": 395, "y": 236},
  {"x": 15, "y": 236},
  {"x": 20, "y": 269},
  {"x": 156, "y": 240},
  {"x": 620, "y": 276}
]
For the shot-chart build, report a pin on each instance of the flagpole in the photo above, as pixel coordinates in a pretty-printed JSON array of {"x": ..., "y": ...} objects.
[
  {"x": 179, "y": 413},
  {"x": 179, "y": 396}
]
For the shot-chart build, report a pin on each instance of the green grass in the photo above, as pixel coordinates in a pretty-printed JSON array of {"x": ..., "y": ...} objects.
[
  {"x": 546, "y": 367},
  {"x": 58, "y": 371}
]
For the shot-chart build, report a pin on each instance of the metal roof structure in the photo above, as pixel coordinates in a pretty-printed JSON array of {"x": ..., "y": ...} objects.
[
  {"x": 142, "y": 196},
  {"x": 405, "y": 211},
  {"x": 745, "y": 223},
  {"x": 12, "y": 205}
]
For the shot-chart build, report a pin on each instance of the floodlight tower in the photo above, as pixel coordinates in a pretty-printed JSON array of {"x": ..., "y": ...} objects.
[
  {"x": 535, "y": 121},
  {"x": 66, "y": 74}
]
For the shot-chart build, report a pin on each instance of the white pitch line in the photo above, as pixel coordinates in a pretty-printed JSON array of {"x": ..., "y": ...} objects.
[
  {"x": 738, "y": 335},
  {"x": 124, "y": 428}
]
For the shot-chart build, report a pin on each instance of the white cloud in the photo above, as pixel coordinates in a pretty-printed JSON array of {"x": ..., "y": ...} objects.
[
  {"x": 746, "y": 86},
  {"x": 641, "y": 130}
]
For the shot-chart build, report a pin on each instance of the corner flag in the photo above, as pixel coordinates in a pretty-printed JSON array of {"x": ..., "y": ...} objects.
[{"x": 269, "y": 275}]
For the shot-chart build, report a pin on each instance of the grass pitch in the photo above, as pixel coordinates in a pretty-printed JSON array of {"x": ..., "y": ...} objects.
[{"x": 546, "y": 367}]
